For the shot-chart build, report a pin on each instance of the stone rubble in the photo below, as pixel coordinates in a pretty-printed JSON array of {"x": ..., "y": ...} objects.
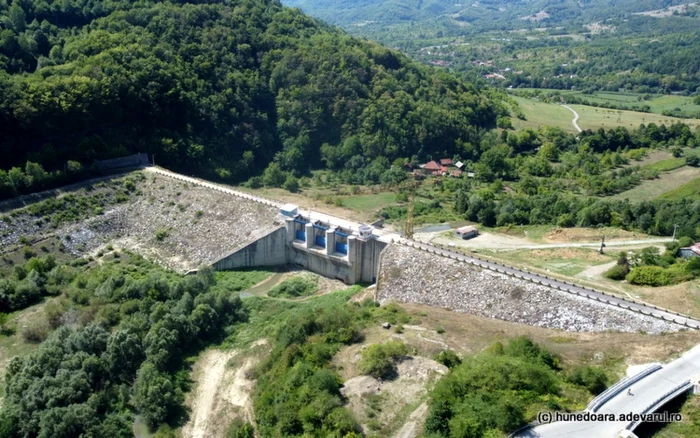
[
  {"x": 412, "y": 275},
  {"x": 226, "y": 223}
]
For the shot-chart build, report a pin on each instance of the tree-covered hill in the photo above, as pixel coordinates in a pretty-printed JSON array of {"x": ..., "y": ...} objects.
[{"x": 221, "y": 88}]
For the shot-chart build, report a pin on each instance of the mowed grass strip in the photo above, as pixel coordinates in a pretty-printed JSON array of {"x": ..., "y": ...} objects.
[
  {"x": 657, "y": 104},
  {"x": 665, "y": 184},
  {"x": 689, "y": 190},
  {"x": 370, "y": 202},
  {"x": 540, "y": 114},
  {"x": 666, "y": 165}
]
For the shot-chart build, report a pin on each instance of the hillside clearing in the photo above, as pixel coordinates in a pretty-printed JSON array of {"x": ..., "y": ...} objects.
[
  {"x": 669, "y": 185},
  {"x": 689, "y": 190},
  {"x": 548, "y": 114}
]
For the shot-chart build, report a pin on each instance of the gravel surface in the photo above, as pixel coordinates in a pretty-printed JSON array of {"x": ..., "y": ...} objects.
[
  {"x": 411, "y": 275},
  {"x": 195, "y": 225}
]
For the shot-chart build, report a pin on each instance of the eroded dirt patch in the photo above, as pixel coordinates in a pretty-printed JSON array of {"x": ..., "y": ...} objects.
[
  {"x": 222, "y": 391},
  {"x": 395, "y": 406}
]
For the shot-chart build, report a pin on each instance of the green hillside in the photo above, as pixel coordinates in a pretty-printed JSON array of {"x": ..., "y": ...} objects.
[
  {"x": 220, "y": 88},
  {"x": 644, "y": 47}
]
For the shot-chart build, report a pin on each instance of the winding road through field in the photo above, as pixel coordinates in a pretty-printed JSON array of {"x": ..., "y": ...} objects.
[{"x": 576, "y": 116}]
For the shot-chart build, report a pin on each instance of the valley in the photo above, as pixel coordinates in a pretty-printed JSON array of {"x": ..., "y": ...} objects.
[{"x": 313, "y": 218}]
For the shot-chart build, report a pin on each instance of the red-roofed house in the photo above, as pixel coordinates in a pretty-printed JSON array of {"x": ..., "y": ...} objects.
[
  {"x": 446, "y": 162},
  {"x": 432, "y": 168}
]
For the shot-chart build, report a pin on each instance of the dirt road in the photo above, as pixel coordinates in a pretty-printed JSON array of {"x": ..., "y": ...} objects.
[
  {"x": 574, "y": 122},
  {"x": 497, "y": 241}
]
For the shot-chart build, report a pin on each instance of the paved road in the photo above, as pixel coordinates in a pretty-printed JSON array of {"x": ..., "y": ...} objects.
[
  {"x": 574, "y": 122},
  {"x": 645, "y": 392},
  {"x": 391, "y": 236}
]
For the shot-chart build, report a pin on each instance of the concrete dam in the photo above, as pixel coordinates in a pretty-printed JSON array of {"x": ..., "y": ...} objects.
[
  {"x": 409, "y": 271},
  {"x": 321, "y": 247}
]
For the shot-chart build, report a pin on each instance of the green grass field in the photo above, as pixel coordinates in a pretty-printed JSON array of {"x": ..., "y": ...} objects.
[
  {"x": 372, "y": 202},
  {"x": 658, "y": 103},
  {"x": 594, "y": 118},
  {"x": 689, "y": 190},
  {"x": 541, "y": 114},
  {"x": 666, "y": 165},
  {"x": 666, "y": 184},
  {"x": 564, "y": 261}
]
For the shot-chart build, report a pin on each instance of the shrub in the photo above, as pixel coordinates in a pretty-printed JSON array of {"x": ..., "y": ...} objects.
[
  {"x": 504, "y": 123},
  {"x": 692, "y": 160},
  {"x": 239, "y": 429},
  {"x": 291, "y": 184},
  {"x": 36, "y": 332},
  {"x": 440, "y": 330},
  {"x": 294, "y": 287},
  {"x": 28, "y": 252},
  {"x": 592, "y": 378},
  {"x": 378, "y": 359},
  {"x": 448, "y": 358},
  {"x": 649, "y": 276},
  {"x": 161, "y": 234},
  {"x": 617, "y": 272}
]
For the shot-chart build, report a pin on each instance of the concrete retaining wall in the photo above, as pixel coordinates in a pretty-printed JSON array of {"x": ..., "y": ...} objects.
[
  {"x": 319, "y": 263},
  {"x": 269, "y": 250},
  {"x": 368, "y": 255}
]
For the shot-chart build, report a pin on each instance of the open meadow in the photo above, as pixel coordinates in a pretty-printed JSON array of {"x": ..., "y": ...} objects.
[{"x": 540, "y": 114}]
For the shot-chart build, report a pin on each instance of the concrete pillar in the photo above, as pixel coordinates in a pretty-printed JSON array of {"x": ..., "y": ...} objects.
[
  {"x": 695, "y": 381},
  {"x": 352, "y": 248},
  {"x": 330, "y": 242},
  {"x": 289, "y": 226},
  {"x": 309, "y": 236},
  {"x": 354, "y": 270}
]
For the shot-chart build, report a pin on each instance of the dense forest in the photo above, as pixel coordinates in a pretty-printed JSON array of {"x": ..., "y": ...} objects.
[
  {"x": 220, "y": 88},
  {"x": 114, "y": 342}
]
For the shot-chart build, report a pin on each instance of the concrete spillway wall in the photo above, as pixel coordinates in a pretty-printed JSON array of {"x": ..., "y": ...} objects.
[
  {"x": 269, "y": 250},
  {"x": 281, "y": 247}
]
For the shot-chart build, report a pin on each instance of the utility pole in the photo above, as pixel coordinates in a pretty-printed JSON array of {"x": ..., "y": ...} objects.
[
  {"x": 602, "y": 245},
  {"x": 408, "y": 232},
  {"x": 675, "y": 227}
]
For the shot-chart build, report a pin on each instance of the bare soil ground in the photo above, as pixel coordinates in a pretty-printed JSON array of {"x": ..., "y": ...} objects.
[
  {"x": 565, "y": 235},
  {"x": 394, "y": 407},
  {"x": 667, "y": 12},
  {"x": 222, "y": 390}
]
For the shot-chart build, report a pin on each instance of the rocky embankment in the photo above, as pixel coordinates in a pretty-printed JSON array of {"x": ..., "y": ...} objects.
[
  {"x": 415, "y": 276},
  {"x": 179, "y": 225}
]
